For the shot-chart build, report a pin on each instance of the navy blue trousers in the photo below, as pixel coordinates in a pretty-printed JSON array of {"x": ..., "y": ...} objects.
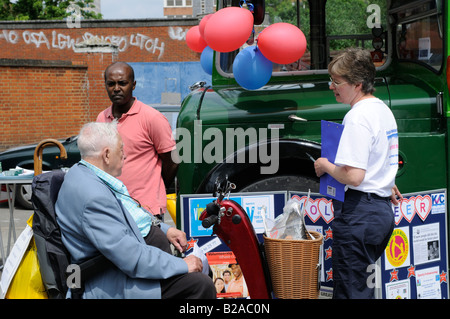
[{"x": 362, "y": 226}]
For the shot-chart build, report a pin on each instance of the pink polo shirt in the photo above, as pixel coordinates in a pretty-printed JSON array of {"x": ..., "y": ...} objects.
[{"x": 145, "y": 133}]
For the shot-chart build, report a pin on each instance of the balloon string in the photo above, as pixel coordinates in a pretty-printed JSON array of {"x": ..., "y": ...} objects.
[{"x": 249, "y": 6}]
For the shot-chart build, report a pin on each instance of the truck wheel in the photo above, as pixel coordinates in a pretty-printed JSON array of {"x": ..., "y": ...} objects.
[
  {"x": 284, "y": 182},
  {"x": 23, "y": 196}
]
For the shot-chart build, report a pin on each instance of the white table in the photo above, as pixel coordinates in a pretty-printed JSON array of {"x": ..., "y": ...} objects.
[{"x": 11, "y": 182}]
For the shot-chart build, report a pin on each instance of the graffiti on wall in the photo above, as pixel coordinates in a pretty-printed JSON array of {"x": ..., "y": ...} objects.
[{"x": 61, "y": 41}]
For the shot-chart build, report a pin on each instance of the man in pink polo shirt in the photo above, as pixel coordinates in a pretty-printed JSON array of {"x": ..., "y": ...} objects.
[{"x": 147, "y": 138}]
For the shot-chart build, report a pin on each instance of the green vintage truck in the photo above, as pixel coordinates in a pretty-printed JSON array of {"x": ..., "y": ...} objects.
[{"x": 264, "y": 139}]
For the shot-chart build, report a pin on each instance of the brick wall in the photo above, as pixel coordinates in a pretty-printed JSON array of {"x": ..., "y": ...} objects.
[
  {"x": 38, "y": 101},
  {"x": 53, "y": 75}
]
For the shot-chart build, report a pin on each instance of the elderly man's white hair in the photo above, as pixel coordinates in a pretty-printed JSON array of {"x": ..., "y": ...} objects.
[{"x": 95, "y": 136}]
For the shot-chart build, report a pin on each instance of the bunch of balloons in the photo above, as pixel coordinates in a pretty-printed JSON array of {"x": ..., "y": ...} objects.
[{"x": 229, "y": 28}]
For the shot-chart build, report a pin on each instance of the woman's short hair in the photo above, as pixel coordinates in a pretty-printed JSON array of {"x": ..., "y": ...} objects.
[
  {"x": 355, "y": 66},
  {"x": 95, "y": 136}
]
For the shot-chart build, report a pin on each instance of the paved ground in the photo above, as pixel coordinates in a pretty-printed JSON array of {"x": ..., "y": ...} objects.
[{"x": 20, "y": 221}]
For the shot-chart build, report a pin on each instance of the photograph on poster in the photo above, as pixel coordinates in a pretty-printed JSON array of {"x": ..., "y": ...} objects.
[
  {"x": 398, "y": 289},
  {"x": 227, "y": 275},
  {"x": 426, "y": 243}
]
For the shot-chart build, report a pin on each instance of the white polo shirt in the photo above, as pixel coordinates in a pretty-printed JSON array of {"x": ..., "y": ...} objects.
[{"x": 370, "y": 141}]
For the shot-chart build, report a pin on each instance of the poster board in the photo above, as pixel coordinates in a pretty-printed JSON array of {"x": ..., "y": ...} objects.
[
  {"x": 418, "y": 270},
  {"x": 415, "y": 262}
]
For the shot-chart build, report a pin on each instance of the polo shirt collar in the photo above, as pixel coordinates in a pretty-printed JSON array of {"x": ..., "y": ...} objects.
[{"x": 134, "y": 109}]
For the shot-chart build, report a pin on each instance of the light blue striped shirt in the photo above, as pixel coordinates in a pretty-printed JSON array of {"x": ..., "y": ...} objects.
[{"x": 142, "y": 218}]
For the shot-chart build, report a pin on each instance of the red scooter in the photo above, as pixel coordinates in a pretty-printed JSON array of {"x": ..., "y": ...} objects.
[{"x": 233, "y": 226}]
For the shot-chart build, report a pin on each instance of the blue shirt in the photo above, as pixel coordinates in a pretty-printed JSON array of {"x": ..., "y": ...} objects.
[{"x": 142, "y": 217}]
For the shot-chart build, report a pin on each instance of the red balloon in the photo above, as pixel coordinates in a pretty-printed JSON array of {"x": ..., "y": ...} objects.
[
  {"x": 228, "y": 29},
  {"x": 194, "y": 40},
  {"x": 282, "y": 43},
  {"x": 203, "y": 22}
]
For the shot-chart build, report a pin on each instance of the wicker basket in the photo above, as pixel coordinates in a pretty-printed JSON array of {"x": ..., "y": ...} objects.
[{"x": 293, "y": 266}]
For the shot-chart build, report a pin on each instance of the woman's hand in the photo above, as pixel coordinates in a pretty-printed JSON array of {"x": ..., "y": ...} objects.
[
  {"x": 396, "y": 196},
  {"x": 344, "y": 174}
]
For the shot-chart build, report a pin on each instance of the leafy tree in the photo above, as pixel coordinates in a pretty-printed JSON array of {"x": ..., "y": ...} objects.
[
  {"x": 343, "y": 17},
  {"x": 348, "y": 17},
  {"x": 286, "y": 11},
  {"x": 44, "y": 9},
  {"x": 281, "y": 11},
  {"x": 6, "y": 10}
]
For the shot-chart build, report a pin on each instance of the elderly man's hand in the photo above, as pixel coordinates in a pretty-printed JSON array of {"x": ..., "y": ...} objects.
[
  {"x": 177, "y": 238},
  {"x": 194, "y": 263}
]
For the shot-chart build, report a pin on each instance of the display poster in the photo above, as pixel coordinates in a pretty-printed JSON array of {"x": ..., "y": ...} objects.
[
  {"x": 417, "y": 252},
  {"x": 413, "y": 266}
]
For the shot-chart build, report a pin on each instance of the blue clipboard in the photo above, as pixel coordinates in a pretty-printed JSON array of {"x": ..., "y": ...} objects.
[{"x": 331, "y": 135}]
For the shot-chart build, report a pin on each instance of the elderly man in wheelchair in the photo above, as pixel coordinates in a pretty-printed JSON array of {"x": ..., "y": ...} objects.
[{"x": 97, "y": 216}]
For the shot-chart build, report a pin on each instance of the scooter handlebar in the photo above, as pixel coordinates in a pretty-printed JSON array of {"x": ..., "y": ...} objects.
[{"x": 209, "y": 221}]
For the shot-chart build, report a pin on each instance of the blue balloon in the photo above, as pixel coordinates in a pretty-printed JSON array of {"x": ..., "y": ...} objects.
[
  {"x": 251, "y": 69},
  {"x": 206, "y": 60}
]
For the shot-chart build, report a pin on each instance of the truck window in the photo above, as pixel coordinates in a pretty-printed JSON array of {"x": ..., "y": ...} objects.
[
  {"x": 419, "y": 33},
  {"x": 329, "y": 26}
]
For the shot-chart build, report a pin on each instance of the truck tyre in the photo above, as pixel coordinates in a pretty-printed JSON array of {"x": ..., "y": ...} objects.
[{"x": 284, "y": 183}]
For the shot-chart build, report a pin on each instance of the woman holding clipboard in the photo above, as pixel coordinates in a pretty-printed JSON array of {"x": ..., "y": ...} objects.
[{"x": 367, "y": 163}]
